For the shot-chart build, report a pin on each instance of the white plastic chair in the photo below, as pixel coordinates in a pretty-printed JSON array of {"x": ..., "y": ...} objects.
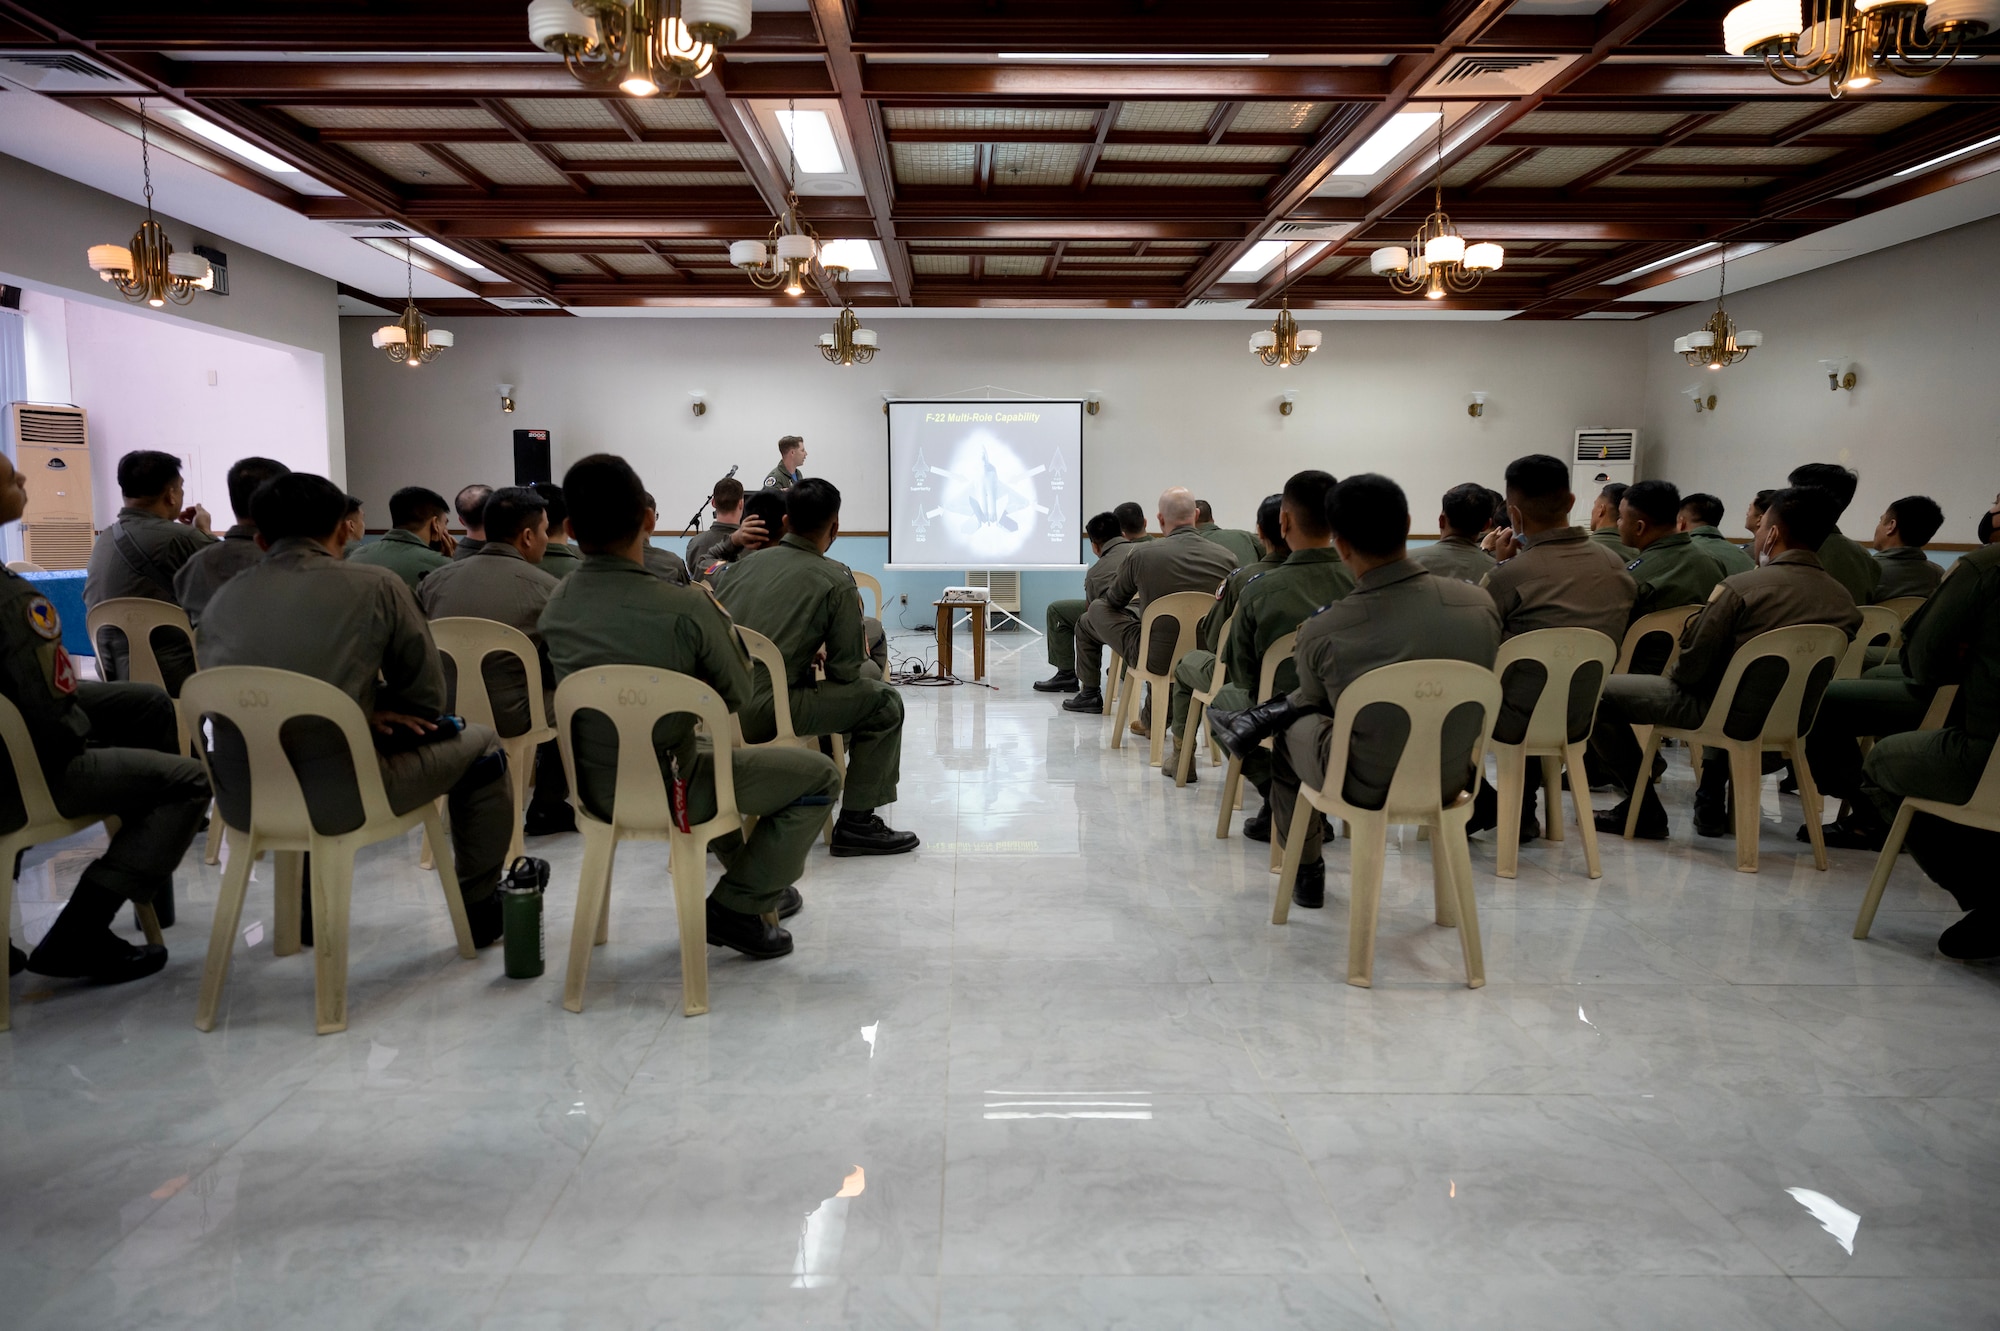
[
  {"x": 1900, "y": 606},
  {"x": 24, "y": 566},
  {"x": 468, "y": 642},
  {"x": 1562, "y": 652},
  {"x": 136, "y": 617},
  {"x": 633, "y": 699},
  {"x": 1185, "y": 609},
  {"x": 1427, "y": 692},
  {"x": 259, "y": 701},
  {"x": 1275, "y": 656},
  {"x": 1803, "y": 647},
  {"x": 763, "y": 652},
  {"x": 1882, "y": 628},
  {"x": 1193, "y": 731},
  {"x": 44, "y": 823},
  {"x": 868, "y": 582},
  {"x": 1670, "y": 622},
  {"x": 1982, "y": 811}
]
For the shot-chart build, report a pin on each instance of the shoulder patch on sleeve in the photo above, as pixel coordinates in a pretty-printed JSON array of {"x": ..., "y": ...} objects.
[
  {"x": 1633, "y": 567},
  {"x": 62, "y": 672},
  {"x": 713, "y": 600},
  {"x": 43, "y": 619}
]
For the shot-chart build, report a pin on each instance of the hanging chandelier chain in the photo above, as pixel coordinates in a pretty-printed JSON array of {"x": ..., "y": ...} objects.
[{"x": 145, "y": 158}]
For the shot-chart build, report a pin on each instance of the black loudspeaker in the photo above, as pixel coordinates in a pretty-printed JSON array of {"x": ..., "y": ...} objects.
[
  {"x": 531, "y": 457},
  {"x": 10, "y": 298}
]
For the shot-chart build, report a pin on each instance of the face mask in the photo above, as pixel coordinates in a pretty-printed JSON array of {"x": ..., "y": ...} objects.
[
  {"x": 1986, "y": 528},
  {"x": 1762, "y": 545}
]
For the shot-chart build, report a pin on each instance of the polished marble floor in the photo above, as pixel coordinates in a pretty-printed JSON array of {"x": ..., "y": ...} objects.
[{"x": 1055, "y": 1071}]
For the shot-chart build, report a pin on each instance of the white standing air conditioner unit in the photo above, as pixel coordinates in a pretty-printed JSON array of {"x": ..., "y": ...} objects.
[
  {"x": 1003, "y": 588},
  {"x": 1603, "y": 457},
  {"x": 52, "y": 453}
]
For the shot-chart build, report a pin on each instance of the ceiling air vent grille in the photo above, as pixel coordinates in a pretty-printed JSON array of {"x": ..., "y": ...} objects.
[
  {"x": 61, "y": 71},
  {"x": 524, "y": 302}
]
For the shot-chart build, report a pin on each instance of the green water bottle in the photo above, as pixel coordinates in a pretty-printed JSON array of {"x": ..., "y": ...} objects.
[{"x": 521, "y": 893}]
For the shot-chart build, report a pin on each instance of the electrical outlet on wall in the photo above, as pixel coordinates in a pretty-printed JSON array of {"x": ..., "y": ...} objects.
[{"x": 902, "y": 598}]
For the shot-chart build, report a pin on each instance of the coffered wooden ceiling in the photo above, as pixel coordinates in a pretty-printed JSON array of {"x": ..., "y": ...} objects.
[{"x": 989, "y": 182}]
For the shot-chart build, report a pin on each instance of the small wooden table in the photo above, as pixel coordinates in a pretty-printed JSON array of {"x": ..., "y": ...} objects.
[{"x": 976, "y": 612}]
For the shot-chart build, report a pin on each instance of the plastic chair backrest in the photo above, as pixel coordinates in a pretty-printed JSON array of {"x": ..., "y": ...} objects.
[
  {"x": 867, "y": 582},
  {"x": 765, "y": 653},
  {"x": 1900, "y": 606},
  {"x": 468, "y": 642},
  {"x": 1562, "y": 653},
  {"x": 136, "y": 617},
  {"x": 1426, "y": 692},
  {"x": 1880, "y": 626},
  {"x": 1185, "y": 609},
  {"x": 1986, "y": 795},
  {"x": 633, "y": 699},
  {"x": 25, "y": 566},
  {"x": 1801, "y": 647},
  {"x": 1670, "y": 621},
  {"x": 258, "y": 701},
  {"x": 1221, "y": 651},
  {"x": 1275, "y": 655},
  {"x": 36, "y": 801}
]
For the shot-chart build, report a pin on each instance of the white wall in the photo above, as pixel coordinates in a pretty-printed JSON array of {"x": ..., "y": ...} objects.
[
  {"x": 1184, "y": 403},
  {"x": 45, "y": 321},
  {"x": 1921, "y": 322}
]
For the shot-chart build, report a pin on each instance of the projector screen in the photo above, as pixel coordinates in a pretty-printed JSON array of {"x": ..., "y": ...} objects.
[{"x": 986, "y": 485}]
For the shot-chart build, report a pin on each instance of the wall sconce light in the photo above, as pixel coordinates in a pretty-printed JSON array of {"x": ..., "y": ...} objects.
[
  {"x": 1285, "y": 403},
  {"x": 507, "y": 398},
  {"x": 1835, "y": 378},
  {"x": 699, "y": 407},
  {"x": 1693, "y": 392},
  {"x": 1478, "y": 407},
  {"x": 1093, "y": 402}
]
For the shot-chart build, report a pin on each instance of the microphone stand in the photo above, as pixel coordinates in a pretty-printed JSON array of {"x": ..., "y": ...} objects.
[{"x": 694, "y": 523}]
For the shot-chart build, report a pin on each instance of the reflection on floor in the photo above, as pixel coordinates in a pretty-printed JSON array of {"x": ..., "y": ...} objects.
[{"x": 1056, "y": 1070}]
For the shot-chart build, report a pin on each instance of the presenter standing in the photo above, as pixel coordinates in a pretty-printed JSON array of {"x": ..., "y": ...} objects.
[{"x": 791, "y": 464}]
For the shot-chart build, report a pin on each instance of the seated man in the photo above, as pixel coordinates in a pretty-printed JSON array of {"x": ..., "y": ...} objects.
[
  {"x": 807, "y": 605},
  {"x": 612, "y": 613},
  {"x": 213, "y": 565},
  {"x": 1900, "y": 537},
  {"x": 1180, "y": 561},
  {"x": 1841, "y": 556},
  {"x": 354, "y": 525},
  {"x": 1604, "y": 522},
  {"x": 1242, "y": 544},
  {"x": 1670, "y": 570},
  {"x": 1753, "y": 517},
  {"x": 731, "y": 535},
  {"x": 105, "y": 749},
  {"x": 418, "y": 543},
  {"x": 356, "y": 626},
  {"x": 1789, "y": 587},
  {"x": 561, "y": 558},
  {"x": 1701, "y": 518},
  {"x": 141, "y": 553},
  {"x": 1111, "y": 548},
  {"x": 1466, "y": 516},
  {"x": 1196, "y": 668},
  {"x": 1550, "y": 576},
  {"x": 661, "y": 562},
  {"x": 1132, "y": 522},
  {"x": 1397, "y": 611},
  {"x": 471, "y": 506},
  {"x": 1953, "y": 639},
  {"x": 505, "y": 582}
]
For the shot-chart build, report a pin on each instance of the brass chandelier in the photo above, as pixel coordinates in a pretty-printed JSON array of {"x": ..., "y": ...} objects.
[
  {"x": 1716, "y": 344},
  {"x": 1850, "y": 42},
  {"x": 1284, "y": 344},
  {"x": 640, "y": 45},
  {"x": 411, "y": 340},
  {"x": 849, "y": 343},
  {"x": 148, "y": 269},
  {"x": 784, "y": 258},
  {"x": 1437, "y": 261}
]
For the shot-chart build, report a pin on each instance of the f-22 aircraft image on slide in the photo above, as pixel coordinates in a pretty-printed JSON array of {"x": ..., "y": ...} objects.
[
  {"x": 987, "y": 497},
  {"x": 987, "y": 500}
]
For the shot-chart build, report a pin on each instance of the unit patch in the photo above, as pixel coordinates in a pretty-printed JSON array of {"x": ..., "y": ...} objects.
[{"x": 43, "y": 619}]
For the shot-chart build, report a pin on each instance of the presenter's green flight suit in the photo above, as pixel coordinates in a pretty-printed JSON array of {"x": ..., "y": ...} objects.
[
  {"x": 402, "y": 553},
  {"x": 805, "y": 602},
  {"x": 1731, "y": 557},
  {"x": 614, "y": 612},
  {"x": 1062, "y": 615}
]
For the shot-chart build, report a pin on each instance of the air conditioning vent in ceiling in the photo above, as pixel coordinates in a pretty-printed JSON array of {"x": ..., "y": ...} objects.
[
  {"x": 61, "y": 71},
  {"x": 1487, "y": 74},
  {"x": 379, "y": 226},
  {"x": 1309, "y": 231},
  {"x": 1207, "y": 303},
  {"x": 524, "y": 302}
]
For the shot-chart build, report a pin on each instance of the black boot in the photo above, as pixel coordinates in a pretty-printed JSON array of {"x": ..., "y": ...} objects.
[
  {"x": 1652, "y": 818},
  {"x": 1241, "y": 732},
  {"x": 1089, "y": 700},
  {"x": 752, "y": 935},
  {"x": 1257, "y": 827},
  {"x": 549, "y": 820},
  {"x": 163, "y": 908},
  {"x": 485, "y": 919},
  {"x": 1974, "y": 938},
  {"x": 1711, "y": 799},
  {"x": 1856, "y": 831},
  {"x": 1309, "y": 888},
  {"x": 1063, "y": 681},
  {"x": 17, "y": 960},
  {"x": 81, "y": 946},
  {"x": 864, "y": 833},
  {"x": 790, "y": 903}
]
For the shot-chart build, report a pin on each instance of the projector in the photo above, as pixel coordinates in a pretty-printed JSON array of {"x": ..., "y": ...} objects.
[{"x": 967, "y": 595}]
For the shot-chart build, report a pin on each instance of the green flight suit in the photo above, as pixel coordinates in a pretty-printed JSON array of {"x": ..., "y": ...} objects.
[
  {"x": 1060, "y": 619},
  {"x": 666, "y": 565},
  {"x": 140, "y": 554},
  {"x": 1608, "y": 538},
  {"x": 211, "y": 566},
  {"x": 707, "y": 547},
  {"x": 803, "y": 601},
  {"x": 1454, "y": 557},
  {"x": 1181, "y": 561},
  {"x": 777, "y": 478},
  {"x": 1906, "y": 571},
  {"x": 1244, "y": 545},
  {"x": 1953, "y": 638},
  {"x": 1673, "y": 571},
  {"x": 403, "y": 554},
  {"x": 1852, "y": 567},
  {"x": 613, "y": 612},
  {"x": 1729, "y": 556},
  {"x": 561, "y": 559},
  {"x": 1196, "y": 668}
]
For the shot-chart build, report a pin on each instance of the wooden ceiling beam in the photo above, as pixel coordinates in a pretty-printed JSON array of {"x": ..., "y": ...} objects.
[
  {"x": 1500, "y": 168},
  {"x": 1632, "y": 158},
  {"x": 915, "y": 82},
  {"x": 1107, "y": 116},
  {"x": 864, "y": 137},
  {"x": 1625, "y": 83},
  {"x": 514, "y": 125},
  {"x": 1219, "y": 123}
]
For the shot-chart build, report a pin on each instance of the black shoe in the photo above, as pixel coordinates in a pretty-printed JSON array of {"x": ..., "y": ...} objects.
[
  {"x": 1974, "y": 938},
  {"x": 1089, "y": 700},
  {"x": 17, "y": 960},
  {"x": 163, "y": 909},
  {"x": 1257, "y": 827},
  {"x": 484, "y": 917},
  {"x": 1309, "y": 888},
  {"x": 81, "y": 946},
  {"x": 870, "y": 836},
  {"x": 1063, "y": 681},
  {"x": 752, "y": 935},
  {"x": 1840, "y": 835},
  {"x": 1239, "y": 733},
  {"x": 1711, "y": 818},
  {"x": 1652, "y": 819},
  {"x": 1788, "y": 784},
  {"x": 790, "y": 904},
  {"x": 552, "y": 820}
]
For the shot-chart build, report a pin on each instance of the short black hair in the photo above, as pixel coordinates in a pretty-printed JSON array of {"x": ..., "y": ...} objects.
[
  {"x": 1761, "y": 501},
  {"x": 1468, "y": 508},
  {"x": 1499, "y": 516},
  {"x": 1306, "y": 492},
  {"x": 298, "y": 503},
  {"x": 146, "y": 473},
  {"x": 1706, "y": 508},
  {"x": 471, "y": 504},
  {"x": 1614, "y": 492},
  {"x": 1839, "y": 483},
  {"x": 510, "y": 511},
  {"x": 245, "y": 475},
  {"x": 1102, "y": 527},
  {"x": 353, "y": 506},
  {"x": 811, "y": 505},
  {"x": 768, "y": 507},
  {"x": 727, "y": 494},
  {"x": 1918, "y": 518},
  {"x": 1540, "y": 484},
  {"x": 1807, "y": 514},
  {"x": 413, "y": 506},
  {"x": 1658, "y": 501},
  {"x": 1203, "y": 512},
  {"x": 552, "y": 496},
  {"x": 607, "y": 501},
  {"x": 1267, "y": 522},
  {"x": 1131, "y": 517},
  {"x": 1370, "y": 512}
]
